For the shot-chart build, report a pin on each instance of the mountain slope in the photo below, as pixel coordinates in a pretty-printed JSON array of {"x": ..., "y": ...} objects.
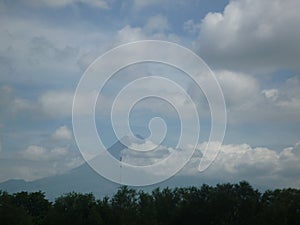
[
  {"x": 85, "y": 180},
  {"x": 81, "y": 179}
]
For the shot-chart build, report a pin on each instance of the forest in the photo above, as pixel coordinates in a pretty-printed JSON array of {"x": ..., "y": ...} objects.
[{"x": 223, "y": 204}]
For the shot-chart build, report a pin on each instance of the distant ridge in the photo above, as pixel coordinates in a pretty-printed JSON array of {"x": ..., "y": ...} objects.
[{"x": 85, "y": 180}]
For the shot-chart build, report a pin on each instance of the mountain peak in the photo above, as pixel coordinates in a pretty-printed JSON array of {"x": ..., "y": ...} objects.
[{"x": 116, "y": 149}]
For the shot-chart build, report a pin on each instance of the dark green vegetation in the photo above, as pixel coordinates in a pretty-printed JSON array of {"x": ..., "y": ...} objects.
[{"x": 232, "y": 204}]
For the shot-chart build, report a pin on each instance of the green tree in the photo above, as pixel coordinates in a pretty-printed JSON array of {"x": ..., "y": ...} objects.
[
  {"x": 75, "y": 209},
  {"x": 247, "y": 204},
  {"x": 146, "y": 209},
  {"x": 34, "y": 204},
  {"x": 124, "y": 206},
  {"x": 280, "y": 207},
  {"x": 10, "y": 213},
  {"x": 165, "y": 205},
  {"x": 193, "y": 205}
]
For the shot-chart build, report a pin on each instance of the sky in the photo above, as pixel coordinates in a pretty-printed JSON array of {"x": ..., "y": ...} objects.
[{"x": 251, "y": 46}]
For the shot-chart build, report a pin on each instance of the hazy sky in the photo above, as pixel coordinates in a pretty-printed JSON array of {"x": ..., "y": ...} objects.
[{"x": 252, "y": 46}]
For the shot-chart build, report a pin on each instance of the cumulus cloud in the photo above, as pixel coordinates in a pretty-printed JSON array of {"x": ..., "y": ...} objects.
[
  {"x": 18, "y": 169},
  {"x": 56, "y": 103},
  {"x": 271, "y": 94},
  {"x": 260, "y": 165},
  {"x": 290, "y": 94},
  {"x": 191, "y": 26},
  {"x": 46, "y": 54},
  {"x": 30, "y": 168},
  {"x": 14, "y": 105},
  {"x": 158, "y": 23},
  {"x": 146, "y": 145},
  {"x": 242, "y": 94},
  {"x": 39, "y": 153},
  {"x": 37, "y": 161},
  {"x": 156, "y": 27},
  {"x": 128, "y": 34},
  {"x": 170, "y": 103},
  {"x": 62, "y": 133},
  {"x": 279, "y": 103},
  {"x": 42, "y": 50},
  {"x": 21, "y": 105},
  {"x": 247, "y": 101},
  {"x": 238, "y": 88},
  {"x": 144, "y": 158},
  {"x": 256, "y": 35}
]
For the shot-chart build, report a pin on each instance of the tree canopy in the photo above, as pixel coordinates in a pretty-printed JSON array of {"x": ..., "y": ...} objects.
[{"x": 224, "y": 204}]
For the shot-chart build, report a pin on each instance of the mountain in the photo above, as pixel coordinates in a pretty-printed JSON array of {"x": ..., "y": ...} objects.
[
  {"x": 81, "y": 179},
  {"x": 116, "y": 149},
  {"x": 85, "y": 180}
]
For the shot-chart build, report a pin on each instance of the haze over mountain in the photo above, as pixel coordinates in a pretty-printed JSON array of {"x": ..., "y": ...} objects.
[
  {"x": 264, "y": 168},
  {"x": 84, "y": 179}
]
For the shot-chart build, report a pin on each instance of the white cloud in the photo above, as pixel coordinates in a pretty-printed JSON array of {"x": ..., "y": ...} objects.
[
  {"x": 280, "y": 103},
  {"x": 39, "y": 153},
  {"x": 259, "y": 165},
  {"x": 247, "y": 102},
  {"x": 254, "y": 35},
  {"x": 86, "y": 59},
  {"x": 52, "y": 103},
  {"x": 156, "y": 27},
  {"x": 28, "y": 169},
  {"x": 146, "y": 145},
  {"x": 171, "y": 101},
  {"x": 242, "y": 95},
  {"x": 21, "y": 105},
  {"x": 62, "y": 133},
  {"x": 13, "y": 105},
  {"x": 128, "y": 34},
  {"x": 42, "y": 50},
  {"x": 144, "y": 158},
  {"x": 191, "y": 26},
  {"x": 271, "y": 94},
  {"x": 290, "y": 95},
  {"x": 56, "y": 103},
  {"x": 158, "y": 23},
  {"x": 238, "y": 88},
  {"x": 44, "y": 53}
]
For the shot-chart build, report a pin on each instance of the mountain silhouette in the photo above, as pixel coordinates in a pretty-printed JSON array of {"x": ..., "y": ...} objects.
[{"x": 85, "y": 180}]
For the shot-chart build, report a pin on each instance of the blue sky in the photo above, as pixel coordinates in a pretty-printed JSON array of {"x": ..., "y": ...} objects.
[{"x": 252, "y": 47}]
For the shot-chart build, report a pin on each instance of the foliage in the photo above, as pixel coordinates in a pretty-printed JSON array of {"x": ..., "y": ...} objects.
[{"x": 224, "y": 204}]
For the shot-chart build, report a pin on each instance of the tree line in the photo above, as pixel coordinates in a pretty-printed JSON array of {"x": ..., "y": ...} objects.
[{"x": 223, "y": 204}]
